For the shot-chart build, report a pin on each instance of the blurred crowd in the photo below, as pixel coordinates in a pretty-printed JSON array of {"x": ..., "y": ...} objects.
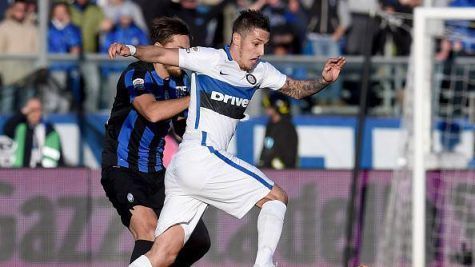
[{"x": 309, "y": 27}]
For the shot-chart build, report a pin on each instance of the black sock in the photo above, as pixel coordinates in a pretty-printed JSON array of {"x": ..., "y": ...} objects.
[{"x": 141, "y": 247}]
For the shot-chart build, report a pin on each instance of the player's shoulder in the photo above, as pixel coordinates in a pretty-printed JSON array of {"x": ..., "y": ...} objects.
[
  {"x": 201, "y": 49},
  {"x": 264, "y": 72},
  {"x": 205, "y": 52},
  {"x": 262, "y": 66},
  {"x": 139, "y": 66},
  {"x": 261, "y": 69}
]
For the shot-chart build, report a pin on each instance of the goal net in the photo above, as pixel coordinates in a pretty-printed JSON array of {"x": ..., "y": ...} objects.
[{"x": 430, "y": 216}]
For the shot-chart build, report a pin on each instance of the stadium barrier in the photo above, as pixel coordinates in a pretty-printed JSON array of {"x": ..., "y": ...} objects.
[{"x": 61, "y": 217}]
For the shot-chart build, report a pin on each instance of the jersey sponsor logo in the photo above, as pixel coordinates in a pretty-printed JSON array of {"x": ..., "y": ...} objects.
[
  {"x": 233, "y": 100},
  {"x": 223, "y": 73}
]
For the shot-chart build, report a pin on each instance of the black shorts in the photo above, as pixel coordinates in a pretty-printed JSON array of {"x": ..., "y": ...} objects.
[{"x": 127, "y": 188}]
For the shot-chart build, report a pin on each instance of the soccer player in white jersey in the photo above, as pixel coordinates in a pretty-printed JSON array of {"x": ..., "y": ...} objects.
[{"x": 202, "y": 172}]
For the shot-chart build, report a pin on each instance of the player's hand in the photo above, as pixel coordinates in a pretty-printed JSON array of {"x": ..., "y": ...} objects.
[
  {"x": 116, "y": 49},
  {"x": 332, "y": 69}
]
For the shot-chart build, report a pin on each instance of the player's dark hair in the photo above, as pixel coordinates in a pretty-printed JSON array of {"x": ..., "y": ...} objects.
[
  {"x": 250, "y": 19},
  {"x": 163, "y": 29}
]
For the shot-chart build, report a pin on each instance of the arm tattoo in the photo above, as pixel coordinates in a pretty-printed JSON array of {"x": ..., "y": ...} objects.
[{"x": 303, "y": 88}]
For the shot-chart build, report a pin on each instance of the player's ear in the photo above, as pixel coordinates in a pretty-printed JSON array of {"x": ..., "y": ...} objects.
[
  {"x": 236, "y": 38},
  {"x": 158, "y": 44}
]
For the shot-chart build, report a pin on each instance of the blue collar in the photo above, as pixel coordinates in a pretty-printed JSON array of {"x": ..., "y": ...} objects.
[{"x": 226, "y": 48}]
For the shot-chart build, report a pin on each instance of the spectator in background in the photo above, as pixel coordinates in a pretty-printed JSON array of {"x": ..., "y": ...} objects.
[
  {"x": 281, "y": 141},
  {"x": 32, "y": 11},
  {"x": 460, "y": 35},
  {"x": 298, "y": 18},
  {"x": 114, "y": 10},
  {"x": 37, "y": 142},
  {"x": 395, "y": 36},
  {"x": 329, "y": 21},
  {"x": 364, "y": 26},
  {"x": 287, "y": 26},
  {"x": 17, "y": 36},
  {"x": 152, "y": 9},
  {"x": 64, "y": 38},
  {"x": 125, "y": 31},
  {"x": 3, "y": 9},
  {"x": 63, "y": 35},
  {"x": 198, "y": 18},
  {"x": 89, "y": 17}
]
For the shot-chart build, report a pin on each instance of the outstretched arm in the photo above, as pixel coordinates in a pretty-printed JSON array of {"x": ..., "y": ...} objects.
[
  {"x": 149, "y": 53},
  {"x": 302, "y": 88}
]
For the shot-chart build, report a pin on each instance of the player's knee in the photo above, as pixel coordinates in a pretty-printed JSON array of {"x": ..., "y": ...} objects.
[
  {"x": 279, "y": 194},
  {"x": 143, "y": 227},
  {"x": 144, "y": 231}
]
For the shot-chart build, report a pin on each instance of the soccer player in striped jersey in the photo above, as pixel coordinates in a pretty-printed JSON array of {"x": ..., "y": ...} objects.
[
  {"x": 203, "y": 173},
  {"x": 149, "y": 96}
]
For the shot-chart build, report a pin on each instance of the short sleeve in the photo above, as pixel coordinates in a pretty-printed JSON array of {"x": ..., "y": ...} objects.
[
  {"x": 272, "y": 79},
  {"x": 197, "y": 58},
  {"x": 138, "y": 81}
]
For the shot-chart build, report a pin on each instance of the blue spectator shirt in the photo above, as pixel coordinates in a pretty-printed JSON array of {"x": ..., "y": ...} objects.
[
  {"x": 130, "y": 35},
  {"x": 61, "y": 41}
]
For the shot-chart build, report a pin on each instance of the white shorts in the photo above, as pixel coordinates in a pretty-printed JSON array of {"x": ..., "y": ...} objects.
[{"x": 199, "y": 176}]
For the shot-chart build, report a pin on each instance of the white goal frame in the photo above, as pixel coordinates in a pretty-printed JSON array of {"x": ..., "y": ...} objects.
[{"x": 422, "y": 116}]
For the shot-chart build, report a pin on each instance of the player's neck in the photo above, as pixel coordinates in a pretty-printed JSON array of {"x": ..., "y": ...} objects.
[
  {"x": 234, "y": 51},
  {"x": 161, "y": 71}
]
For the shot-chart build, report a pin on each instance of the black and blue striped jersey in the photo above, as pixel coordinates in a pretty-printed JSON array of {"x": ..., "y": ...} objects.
[{"x": 131, "y": 141}]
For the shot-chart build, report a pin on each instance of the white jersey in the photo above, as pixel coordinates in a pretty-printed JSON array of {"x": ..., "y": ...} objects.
[
  {"x": 220, "y": 93},
  {"x": 202, "y": 173}
]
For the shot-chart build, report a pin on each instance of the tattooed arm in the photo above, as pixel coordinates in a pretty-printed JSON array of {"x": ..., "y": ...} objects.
[
  {"x": 302, "y": 88},
  {"x": 299, "y": 89}
]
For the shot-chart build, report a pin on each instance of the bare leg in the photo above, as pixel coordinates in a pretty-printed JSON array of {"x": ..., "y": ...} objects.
[
  {"x": 142, "y": 226},
  {"x": 164, "y": 250}
]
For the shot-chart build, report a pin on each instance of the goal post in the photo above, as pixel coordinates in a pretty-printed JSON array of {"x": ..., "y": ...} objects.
[
  {"x": 427, "y": 171},
  {"x": 422, "y": 116}
]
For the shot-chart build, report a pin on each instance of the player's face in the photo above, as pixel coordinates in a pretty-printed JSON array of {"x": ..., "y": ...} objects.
[
  {"x": 251, "y": 47},
  {"x": 177, "y": 41}
]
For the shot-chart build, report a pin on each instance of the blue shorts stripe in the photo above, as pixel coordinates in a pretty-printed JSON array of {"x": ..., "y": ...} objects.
[
  {"x": 203, "y": 138},
  {"x": 198, "y": 103},
  {"x": 241, "y": 168}
]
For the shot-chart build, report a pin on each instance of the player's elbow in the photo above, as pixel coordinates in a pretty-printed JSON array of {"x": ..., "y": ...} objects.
[{"x": 153, "y": 117}]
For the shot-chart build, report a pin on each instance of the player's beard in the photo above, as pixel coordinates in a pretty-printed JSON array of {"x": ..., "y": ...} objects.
[{"x": 174, "y": 71}]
